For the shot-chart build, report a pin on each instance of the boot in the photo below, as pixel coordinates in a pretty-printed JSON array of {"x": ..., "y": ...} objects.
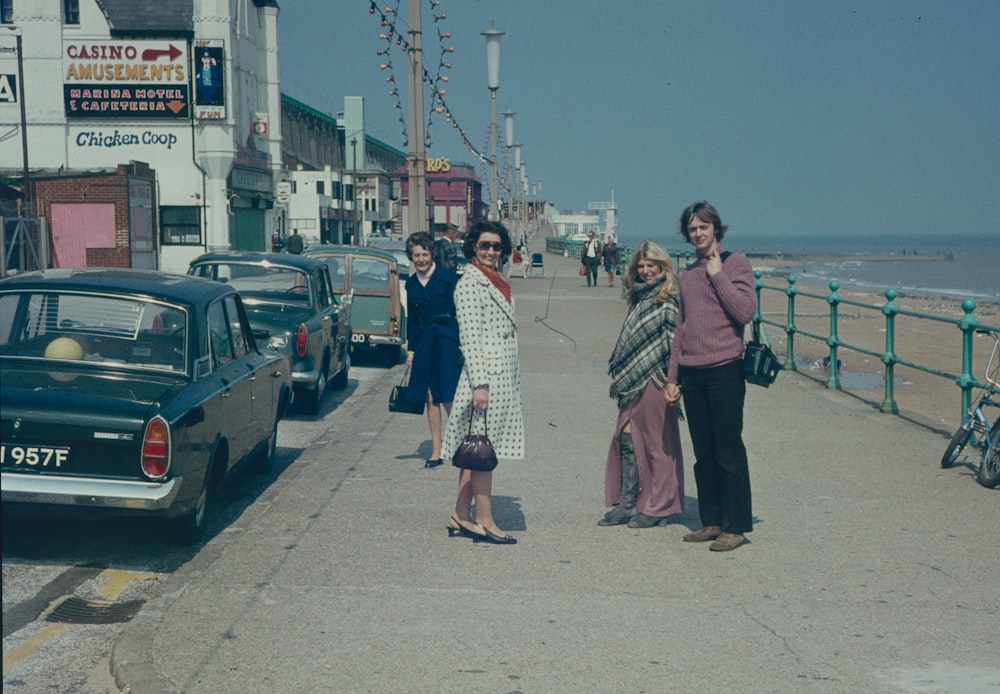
[{"x": 625, "y": 510}]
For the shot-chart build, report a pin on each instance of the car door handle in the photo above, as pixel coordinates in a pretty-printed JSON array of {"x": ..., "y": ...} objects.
[{"x": 277, "y": 374}]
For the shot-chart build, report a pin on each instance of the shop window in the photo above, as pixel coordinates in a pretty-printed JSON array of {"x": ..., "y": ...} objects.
[
  {"x": 180, "y": 225},
  {"x": 6, "y": 11},
  {"x": 71, "y": 11}
]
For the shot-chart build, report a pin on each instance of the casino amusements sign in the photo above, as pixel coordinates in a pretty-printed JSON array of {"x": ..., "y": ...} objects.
[{"x": 126, "y": 79}]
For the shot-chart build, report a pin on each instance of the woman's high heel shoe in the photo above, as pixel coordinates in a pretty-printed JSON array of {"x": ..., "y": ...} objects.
[
  {"x": 493, "y": 538},
  {"x": 461, "y": 529}
]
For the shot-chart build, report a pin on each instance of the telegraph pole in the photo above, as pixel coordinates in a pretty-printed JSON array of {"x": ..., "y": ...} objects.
[{"x": 416, "y": 159}]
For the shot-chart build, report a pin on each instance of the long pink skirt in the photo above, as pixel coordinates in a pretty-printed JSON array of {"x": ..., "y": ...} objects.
[{"x": 657, "y": 441}]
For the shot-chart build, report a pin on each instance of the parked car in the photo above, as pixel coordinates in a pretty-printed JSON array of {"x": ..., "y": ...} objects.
[
  {"x": 133, "y": 391},
  {"x": 368, "y": 279},
  {"x": 292, "y": 308}
]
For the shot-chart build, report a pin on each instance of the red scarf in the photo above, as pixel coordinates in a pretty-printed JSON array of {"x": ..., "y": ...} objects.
[{"x": 495, "y": 277}]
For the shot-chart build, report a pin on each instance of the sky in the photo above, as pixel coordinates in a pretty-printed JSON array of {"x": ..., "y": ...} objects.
[{"x": 827, "y": 117}]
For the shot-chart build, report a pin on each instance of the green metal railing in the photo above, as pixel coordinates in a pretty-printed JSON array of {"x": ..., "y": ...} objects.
[
  {"x": 967, "y": 380},
  {"x": 968, "y": 323}
]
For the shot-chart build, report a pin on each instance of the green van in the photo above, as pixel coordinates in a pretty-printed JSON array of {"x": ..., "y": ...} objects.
[{"x": 367, "y": 281}]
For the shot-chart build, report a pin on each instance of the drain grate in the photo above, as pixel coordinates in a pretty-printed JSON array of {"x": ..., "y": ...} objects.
[{"x": 74, "y": 610}]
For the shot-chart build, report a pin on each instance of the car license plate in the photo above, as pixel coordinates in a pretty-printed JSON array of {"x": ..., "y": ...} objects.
[{"x": 34, "y": 457}]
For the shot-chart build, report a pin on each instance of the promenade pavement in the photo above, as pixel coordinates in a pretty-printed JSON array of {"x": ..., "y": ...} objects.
[{"x": 870, "y": 569}]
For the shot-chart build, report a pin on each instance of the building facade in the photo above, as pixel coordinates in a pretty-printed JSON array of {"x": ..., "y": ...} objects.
[
  {"x": 454, "y": 196},
  {"x": 341, "y": 190},
  {"x": 175, "y": 105}
]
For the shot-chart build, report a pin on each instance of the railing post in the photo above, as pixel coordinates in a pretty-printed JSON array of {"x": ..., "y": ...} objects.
[
  {"x": 833, "y": 382},
  {"x": 757, "y": 284},
  {"x": 889, "y": 357},
  {"x": 790, "y": 325},
  {"x": 967, "y": 380}
]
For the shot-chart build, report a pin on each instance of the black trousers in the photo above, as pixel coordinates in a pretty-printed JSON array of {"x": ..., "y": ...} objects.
[
  {"x": 713, "y": 404},
  {"x": 592, "y": 265}
]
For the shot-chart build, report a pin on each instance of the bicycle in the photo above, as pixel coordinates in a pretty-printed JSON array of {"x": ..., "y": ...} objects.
[{"x": 976, "y": 426}]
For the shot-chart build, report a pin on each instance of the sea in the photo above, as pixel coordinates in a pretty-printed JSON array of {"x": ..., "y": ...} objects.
[{"x": 966, "y": 267}]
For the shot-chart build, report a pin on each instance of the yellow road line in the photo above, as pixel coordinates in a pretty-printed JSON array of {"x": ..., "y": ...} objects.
[{"x": 116, "y": 584}]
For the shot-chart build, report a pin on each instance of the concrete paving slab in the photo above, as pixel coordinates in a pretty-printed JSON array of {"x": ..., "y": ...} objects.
[{"x": 868, "y": 569}]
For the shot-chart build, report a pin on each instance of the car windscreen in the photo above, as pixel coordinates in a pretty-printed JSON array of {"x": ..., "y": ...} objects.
[
  {"x": 121, "y": 330},
  {"x": 260, "y": 284}
]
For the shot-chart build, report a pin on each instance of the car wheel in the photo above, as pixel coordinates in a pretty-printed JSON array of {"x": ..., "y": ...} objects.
[
  {"x": 190, "y": 528},
  {"x": 264, "y": 460},
  {"x": 339, "y": 381},
  {"x": 390, "y": 355},
  {"x": 311, "y": 398}
]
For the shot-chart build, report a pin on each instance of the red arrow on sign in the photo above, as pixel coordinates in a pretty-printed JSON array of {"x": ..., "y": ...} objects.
[
  {"x": 176, "y": 106},
  {"x": 151, "y": 54}
]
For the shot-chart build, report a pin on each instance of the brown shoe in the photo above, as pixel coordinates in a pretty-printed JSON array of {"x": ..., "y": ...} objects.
[
  {"x": 709, "y": 532},
  {"x": 727, "y": 542}
]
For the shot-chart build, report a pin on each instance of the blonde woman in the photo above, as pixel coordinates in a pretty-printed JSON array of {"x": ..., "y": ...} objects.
[{"x": 644, "y": 476}]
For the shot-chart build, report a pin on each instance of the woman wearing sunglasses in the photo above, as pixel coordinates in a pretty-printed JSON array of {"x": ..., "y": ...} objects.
[{"x": 489, "y": 389}]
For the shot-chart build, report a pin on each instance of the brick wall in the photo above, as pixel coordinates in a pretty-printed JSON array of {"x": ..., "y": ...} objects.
[{"x": 104, "y": 187}]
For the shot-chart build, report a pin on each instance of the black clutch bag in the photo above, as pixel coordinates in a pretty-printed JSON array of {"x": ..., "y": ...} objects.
[
  {"x": 398, "y": 401},
  {"x": 475, "y": 452},
  {"x": 760, "y": 365}
]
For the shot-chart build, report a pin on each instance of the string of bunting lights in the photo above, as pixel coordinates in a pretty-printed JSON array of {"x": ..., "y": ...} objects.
[{"x": 390, "y": 34}]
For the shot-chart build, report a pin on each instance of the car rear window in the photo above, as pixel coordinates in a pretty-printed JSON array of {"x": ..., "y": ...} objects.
[{"x": 126, "y": 331}]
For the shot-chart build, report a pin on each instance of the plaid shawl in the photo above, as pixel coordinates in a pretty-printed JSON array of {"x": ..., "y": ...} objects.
[{"x": 643, "y": 349}]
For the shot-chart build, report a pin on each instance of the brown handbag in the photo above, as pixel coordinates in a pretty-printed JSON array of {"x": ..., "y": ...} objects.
[
  {"x": 475, "y": 452},
  {"x": 583, "y": 271}
]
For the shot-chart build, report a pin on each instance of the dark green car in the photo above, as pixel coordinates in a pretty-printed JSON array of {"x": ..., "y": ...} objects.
[
  {"x": 132, "y": 392},
  {"x": 368, "y": 280},
  {"x": 293, "y": 310}
]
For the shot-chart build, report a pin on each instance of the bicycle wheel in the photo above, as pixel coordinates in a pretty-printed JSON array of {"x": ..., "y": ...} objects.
[
  {"x": 957, "y": 444},
  {"x": 989, "y": 464}
]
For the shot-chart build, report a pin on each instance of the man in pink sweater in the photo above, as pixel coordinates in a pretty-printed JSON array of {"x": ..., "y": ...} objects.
[{"x": 706, "y": 364}]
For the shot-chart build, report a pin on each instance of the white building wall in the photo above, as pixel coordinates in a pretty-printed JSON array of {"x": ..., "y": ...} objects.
[{"x": 192, "y": 158}]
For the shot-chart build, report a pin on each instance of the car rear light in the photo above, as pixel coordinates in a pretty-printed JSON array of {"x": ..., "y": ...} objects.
[
  {"x": 156, "y": 448},
  {"x": 301, "y": 340}
]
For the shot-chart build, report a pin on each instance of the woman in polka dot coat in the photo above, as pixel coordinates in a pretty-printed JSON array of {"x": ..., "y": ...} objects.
[{"x": 490, "y": 384}]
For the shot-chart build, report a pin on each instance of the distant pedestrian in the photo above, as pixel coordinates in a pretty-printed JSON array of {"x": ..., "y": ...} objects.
[
  {"x": 432, "y": 354},
  {"x": 525, "y": 260},
  {"x": 446, "y": 250},
  {"x": 294, "y": 243},
  {"x": 706, "y": 363},
  {"x": 591, "y": 258},
  {"x": 644, "y": 475},
  {"x": 612, "y": 258},
  {"x": 490, "y": 386}
]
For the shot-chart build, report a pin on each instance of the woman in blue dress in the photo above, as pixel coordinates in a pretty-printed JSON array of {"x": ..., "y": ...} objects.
[{"x": 432, "y": 355}]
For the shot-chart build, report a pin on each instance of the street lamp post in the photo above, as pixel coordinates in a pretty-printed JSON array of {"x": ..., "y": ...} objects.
[
  {"x": 416, "y": 159},
  {"x": 508, "y": 131},
  {"x": 516, "y": 187},
  {"x": 493, "y": 82},
  {"x": 354, "y": 191}
]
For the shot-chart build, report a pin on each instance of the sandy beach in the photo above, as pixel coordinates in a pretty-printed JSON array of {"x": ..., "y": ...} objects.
[{"x": 926, "y": 398}]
